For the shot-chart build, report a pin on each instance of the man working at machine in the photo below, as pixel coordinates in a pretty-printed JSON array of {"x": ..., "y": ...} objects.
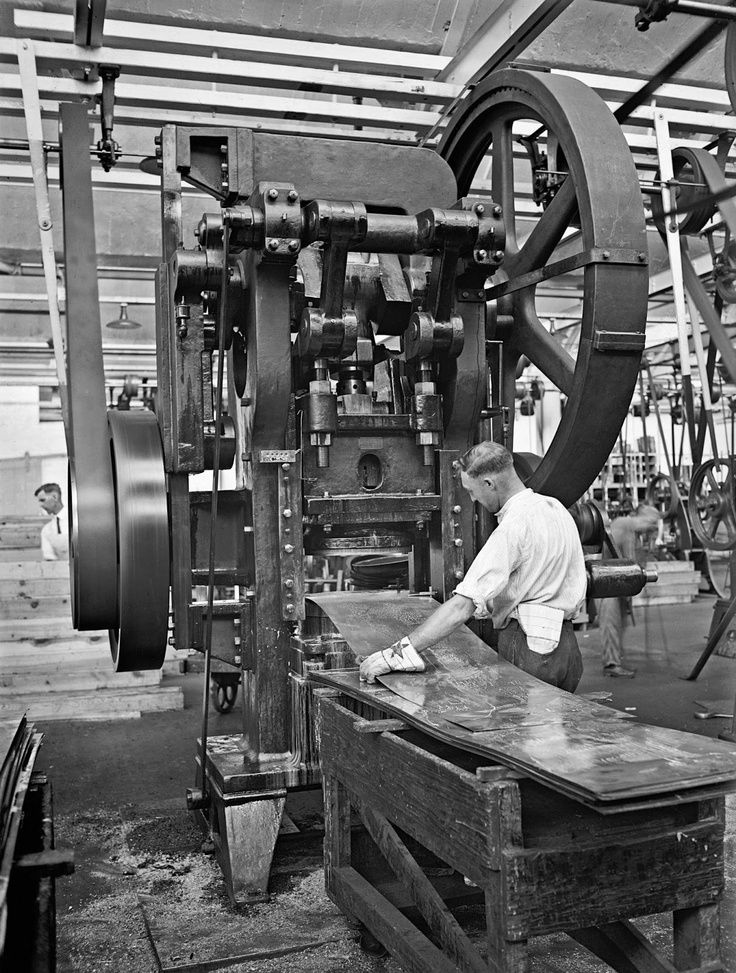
[{"x": 529, "y": 578}]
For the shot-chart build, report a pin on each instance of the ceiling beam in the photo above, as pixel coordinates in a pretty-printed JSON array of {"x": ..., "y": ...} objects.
[
  {"x": 89, "y": 22},
  {"x": 506, "y": 34}
]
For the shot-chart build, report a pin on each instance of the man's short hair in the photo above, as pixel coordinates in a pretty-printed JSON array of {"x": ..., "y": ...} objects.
[
  {"x": 49, "y": 488},
  {"x": 486, "y": 459}
]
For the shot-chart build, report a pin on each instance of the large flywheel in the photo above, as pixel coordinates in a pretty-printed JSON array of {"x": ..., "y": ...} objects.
[
  {"x": 138, "y": 640},
  {"x": 577, "y": 213}
]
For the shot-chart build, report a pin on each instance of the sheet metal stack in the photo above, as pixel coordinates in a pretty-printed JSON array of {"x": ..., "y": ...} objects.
[{"x": 471, "y": 699}]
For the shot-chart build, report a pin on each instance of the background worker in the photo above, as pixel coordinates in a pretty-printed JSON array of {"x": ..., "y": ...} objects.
[
  {"x": 613, "y": 612},
  {"x": 529, "y": 578},
  {"x": 55, "y": 533}
]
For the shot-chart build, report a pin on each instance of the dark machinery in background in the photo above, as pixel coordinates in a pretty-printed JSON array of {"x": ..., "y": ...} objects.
[{"x": 349, "y": 321}]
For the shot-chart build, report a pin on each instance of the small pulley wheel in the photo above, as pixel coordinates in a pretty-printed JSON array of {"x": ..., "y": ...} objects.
[
  {"x": 692, "y": 194},
  {"x": 663, "y": 494},
  {"x": 224, "y": 692},
  {"x": 139, "y": 639},
  {"x": 711, "y": 505}
]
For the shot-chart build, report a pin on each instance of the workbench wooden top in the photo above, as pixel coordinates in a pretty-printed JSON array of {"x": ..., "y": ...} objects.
[{"x": 477, "y": 702}]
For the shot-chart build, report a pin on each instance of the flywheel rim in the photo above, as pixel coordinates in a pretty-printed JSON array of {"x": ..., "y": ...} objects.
[
  {"x": 138, "y": 641},
  {"x": 615, "y": 294}
]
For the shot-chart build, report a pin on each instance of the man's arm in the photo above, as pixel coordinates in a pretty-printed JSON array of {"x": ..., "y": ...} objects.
[
  {"x": 404, "y": 655},
  {"x": 450, "y": 615}
]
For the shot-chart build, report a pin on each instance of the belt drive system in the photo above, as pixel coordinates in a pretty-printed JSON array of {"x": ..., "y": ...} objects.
[{"x": 119, "y": 536}]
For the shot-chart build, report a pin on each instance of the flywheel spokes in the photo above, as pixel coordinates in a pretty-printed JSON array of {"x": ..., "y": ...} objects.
[
  {"x": 711, "y": 505},
  {"x": 549, "y": 152}
]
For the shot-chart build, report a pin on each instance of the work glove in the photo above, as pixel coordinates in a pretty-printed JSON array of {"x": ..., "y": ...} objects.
[{"x": 399, "y": 657}]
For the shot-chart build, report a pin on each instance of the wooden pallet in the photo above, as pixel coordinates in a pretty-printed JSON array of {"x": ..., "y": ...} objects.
[
  {"x": 50, "y": 669},
  {"x": 677, "y": 584}
]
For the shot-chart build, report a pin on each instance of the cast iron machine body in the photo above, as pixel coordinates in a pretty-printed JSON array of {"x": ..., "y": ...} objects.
[{"x": 371, "y": 303}]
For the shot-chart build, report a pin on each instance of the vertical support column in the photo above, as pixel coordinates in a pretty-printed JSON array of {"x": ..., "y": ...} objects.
[
  {"x": 697, "y": 931},
  {"x": 507, "y": 940},
  {"x": 179, "y": 513},
  {"x": 266, "y": 692}
]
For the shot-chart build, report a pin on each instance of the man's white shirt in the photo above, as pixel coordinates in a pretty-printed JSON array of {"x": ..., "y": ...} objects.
[{"x": 531, "y": 568}]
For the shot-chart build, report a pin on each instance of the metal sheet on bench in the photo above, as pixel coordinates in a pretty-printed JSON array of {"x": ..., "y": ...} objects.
[{"x": 578, "y": 747}]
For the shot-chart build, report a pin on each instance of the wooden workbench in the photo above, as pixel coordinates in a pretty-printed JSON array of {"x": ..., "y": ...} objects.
[{"x": 542, "y": 862}]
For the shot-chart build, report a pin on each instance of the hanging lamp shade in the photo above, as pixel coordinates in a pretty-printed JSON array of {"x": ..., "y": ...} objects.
[{"x": 123, "y": 323}]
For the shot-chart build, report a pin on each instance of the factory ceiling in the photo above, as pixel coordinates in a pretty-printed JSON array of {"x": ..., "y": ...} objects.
[{"x": 378, "y": 71}]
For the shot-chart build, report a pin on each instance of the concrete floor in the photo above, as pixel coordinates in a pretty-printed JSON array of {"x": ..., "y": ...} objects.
[{"x": 119, "y": 801}]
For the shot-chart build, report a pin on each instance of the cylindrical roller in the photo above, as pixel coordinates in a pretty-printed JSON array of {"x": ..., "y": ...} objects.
[
  {"x": 618, "y": 578},
  {"x": 139, "y": 640}
]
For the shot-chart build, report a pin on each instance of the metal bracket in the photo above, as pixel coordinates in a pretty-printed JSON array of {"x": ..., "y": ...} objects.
[{"x": 291, "y": 539}]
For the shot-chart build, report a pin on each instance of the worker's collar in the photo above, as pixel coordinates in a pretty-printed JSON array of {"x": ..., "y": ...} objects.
[{"x": 517, "y": 499}]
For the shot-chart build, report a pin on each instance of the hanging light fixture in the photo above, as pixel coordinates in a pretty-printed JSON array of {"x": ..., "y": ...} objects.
[{"x": 123, "y": 323}]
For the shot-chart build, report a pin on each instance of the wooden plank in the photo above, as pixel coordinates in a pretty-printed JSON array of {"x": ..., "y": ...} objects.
[
  {"x": 34, "y": 588},
  {"x": 408, "y": 774},
  {"x": 623, "y": 947},
  {"x": 634, "y": 877},
  {"x": 441, "y": 921},
  {"x": 25, "y": 570},
  {"x": 24, "y": 608},
  {"x": 100, "y": 705},
  {"x": 63, "y": 681},
  {"x": 40, "y": 628},
  {"x": 414, "y": 952}
]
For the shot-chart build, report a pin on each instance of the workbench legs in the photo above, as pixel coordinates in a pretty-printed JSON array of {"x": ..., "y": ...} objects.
[
  {"x": 244, "y": 828},
  {"x": 430, "y": 817}
]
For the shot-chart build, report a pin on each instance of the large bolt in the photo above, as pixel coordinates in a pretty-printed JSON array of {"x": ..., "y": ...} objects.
[
  {"x": 497, "y": 211},
  {"x": 287, "y": 513},
  {"x": 273, "y": 194},
  {"x": 482, "y": 254},
  {"x": 480, "y": 209},
  {"x": 288, "y": 583},
  {"x": 292, "y": 195},
  {"x": 290, "y": 608},
  {"x": 459, "y": 574},
  {"x": 293, "y": 245},
  {"x": 498, "y": 255},
  {"x": 458, "y": 542},
  {"x": 289, "y": 548},
  {"x": 273, "y": 244},
  {"x": 457, "y": 509}
]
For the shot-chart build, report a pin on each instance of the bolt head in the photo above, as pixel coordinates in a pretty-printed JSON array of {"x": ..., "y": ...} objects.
[
  {"x": 287, "y": 513},
  {"x": 457, "y": 509},
  {"x": 606, "y": 255},
  {"x": 288, "y": 548},
  {"x": 497, "y": 211},
  {"x": 480, "y": 209},
  {"x": 459, "y": 574},
  {"x": 273, "y": 244},
  {"x": 288, "y": 583},
  {"x": 292, "y": 195},
  {"x": 458, "y": 542},
  {"x": 273, "y": 194},
  {"x": 293, "y": 245},
  {"x": 290, "y": 608},
  {"x": 482, "y": 254},
  {"x": 498, "y": 255}
]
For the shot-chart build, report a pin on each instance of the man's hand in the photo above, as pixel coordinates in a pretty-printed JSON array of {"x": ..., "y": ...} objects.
[{"x": 399, "y": 657}]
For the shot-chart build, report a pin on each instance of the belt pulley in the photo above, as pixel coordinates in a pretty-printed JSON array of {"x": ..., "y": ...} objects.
[{"x": 139, "y": 637}]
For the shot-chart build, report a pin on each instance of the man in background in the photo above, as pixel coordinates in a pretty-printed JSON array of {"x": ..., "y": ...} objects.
[
  {"x": 55, "y": 533},
  {"x": 612, "y": 612}
]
